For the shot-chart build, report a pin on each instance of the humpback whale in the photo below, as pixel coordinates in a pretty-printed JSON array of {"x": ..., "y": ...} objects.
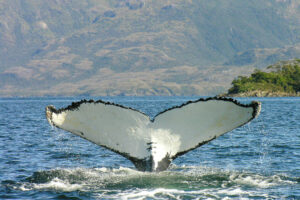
[{"x": 151, "y": 144}]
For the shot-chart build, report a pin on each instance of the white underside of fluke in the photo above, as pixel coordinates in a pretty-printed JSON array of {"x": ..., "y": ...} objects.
[{"x": 171, "y": 133}]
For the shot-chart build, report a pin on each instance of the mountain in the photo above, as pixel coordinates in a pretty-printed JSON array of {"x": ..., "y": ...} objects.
[
  {"x": 265, "y": 56},
  {"x": 139, "y": 47}
]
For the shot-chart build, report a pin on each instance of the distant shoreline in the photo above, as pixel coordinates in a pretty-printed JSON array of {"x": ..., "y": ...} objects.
[
  {"x": 262, "y": 94},
  {"x": 258, "y": 93}
]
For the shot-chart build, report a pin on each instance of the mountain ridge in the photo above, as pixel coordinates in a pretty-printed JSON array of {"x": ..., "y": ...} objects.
[{"x": 139, "y": 47}]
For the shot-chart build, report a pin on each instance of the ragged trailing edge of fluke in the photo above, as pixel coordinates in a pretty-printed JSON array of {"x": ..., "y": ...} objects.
[{"x": 75, "y": 105}]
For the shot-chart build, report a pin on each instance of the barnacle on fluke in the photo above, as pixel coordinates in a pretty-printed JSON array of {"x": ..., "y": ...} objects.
[{"x": 151, "y": 144}]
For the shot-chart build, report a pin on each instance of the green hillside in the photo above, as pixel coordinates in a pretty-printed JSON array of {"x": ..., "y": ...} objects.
[{"x": 281, "y": 78}]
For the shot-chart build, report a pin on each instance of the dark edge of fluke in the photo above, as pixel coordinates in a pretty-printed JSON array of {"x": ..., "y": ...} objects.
[
  {"x": 76, "y": 105},
  {"x": 253, "y": 104}
]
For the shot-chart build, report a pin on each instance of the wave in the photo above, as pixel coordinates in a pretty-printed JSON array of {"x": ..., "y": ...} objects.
[{"x": 178, "y": 182}]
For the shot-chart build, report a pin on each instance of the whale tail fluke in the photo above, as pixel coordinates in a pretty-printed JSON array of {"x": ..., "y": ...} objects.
[{"x": 151, "y": 145}]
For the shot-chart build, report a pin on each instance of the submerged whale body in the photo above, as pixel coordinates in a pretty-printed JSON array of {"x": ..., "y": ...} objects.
[{"x": 151, "y": 144}]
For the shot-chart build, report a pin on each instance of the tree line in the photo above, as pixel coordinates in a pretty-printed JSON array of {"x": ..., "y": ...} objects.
[{"x": 280, "y": 77}]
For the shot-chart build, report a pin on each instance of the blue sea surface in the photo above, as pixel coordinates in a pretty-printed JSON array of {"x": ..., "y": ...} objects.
[{"x": 260, "y": 160}]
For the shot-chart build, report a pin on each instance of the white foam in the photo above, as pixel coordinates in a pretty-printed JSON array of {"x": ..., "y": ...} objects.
[
  {"x": 258, "y": 180},
  {"x": 163, "y": 193},
  {"x": 203, "y": 183},
  {"x": 151, "y": 193},
  {"x": 234, "y": 192},
  {"x": 57, "y": 184}
]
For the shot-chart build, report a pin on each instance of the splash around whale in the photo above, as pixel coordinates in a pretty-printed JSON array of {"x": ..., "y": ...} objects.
[{"x": 152, "y": 144}]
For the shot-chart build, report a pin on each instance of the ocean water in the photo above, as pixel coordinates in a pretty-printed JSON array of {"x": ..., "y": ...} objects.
[{"x": 260, "y": 160}]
